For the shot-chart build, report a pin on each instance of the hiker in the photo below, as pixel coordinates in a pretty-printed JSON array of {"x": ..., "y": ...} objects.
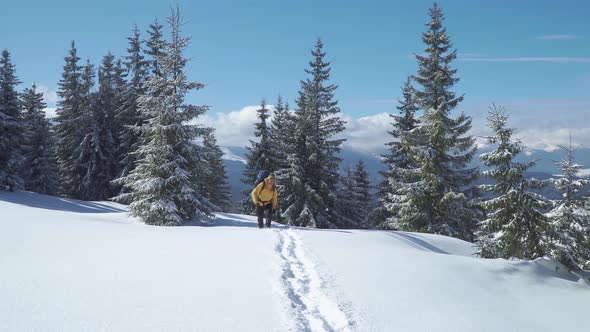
[{"x": 264, "y": 197}]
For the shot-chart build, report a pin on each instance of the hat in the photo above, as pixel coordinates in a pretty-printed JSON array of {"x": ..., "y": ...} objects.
[{"x": 270, "y": 177}]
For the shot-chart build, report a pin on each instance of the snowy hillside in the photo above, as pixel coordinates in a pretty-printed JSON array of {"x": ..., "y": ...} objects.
[{"x": 68, "y": 265}]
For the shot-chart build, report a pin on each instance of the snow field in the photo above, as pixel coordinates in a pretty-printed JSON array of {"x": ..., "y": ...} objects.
[{"x": 68, "y": 265}]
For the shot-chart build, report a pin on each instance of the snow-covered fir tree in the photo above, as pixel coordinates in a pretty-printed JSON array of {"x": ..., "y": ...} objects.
[
  {"x": 84, "y": 152},
  {"x": 97, "y": 153},
  {"x": 570, "y": 218},
  {"x": 156, "y": 48},
  {"x": 515, "y": 224},
  {"x": 11, "y": 127},
  {"x": 586, "y": 265},
  {"x": 40, "y": 168},
  {"x": 214, "y": 184},
  {"x": 440, "y": 146},
  {"x": 163, "y": 187},
  {"x": 258, "y": 157},
  {"x": 363, "y": 193},
  {"x": 395, "y": 188},
  {"x": 128, "y": 115},
  {"x": 347, "y": 200},
  {"x": 310, "y": 194},
  {"x": 354, "y": 199},
  {"x": 282, "y": 133},
  {"x": 71, "y": 123},
  {"x": 279, "y": 135}
]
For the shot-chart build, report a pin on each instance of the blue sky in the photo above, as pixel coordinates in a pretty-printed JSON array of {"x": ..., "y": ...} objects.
[{"x": 532, "y": 56}]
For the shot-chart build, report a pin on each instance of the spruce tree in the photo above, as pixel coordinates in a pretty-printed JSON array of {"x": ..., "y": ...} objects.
[
  {"x": 98, "y": 150},
  {"x": 347, "y": 200},
  {"x": 396, "y": 187},
  {"x": 258, "y": 157},
  {"x": 128, "y": 115},
  {"x": 515, "y": 224},
  {"x": 40, "y": 168},
  {"x": 70, "y": 123},
  {"x": 586, "y": 264},
  {"x": 84, "y": 153},
  {"x": 282, "y": 133},
  {"x": 570, "y": 219},
  {"x": 11, "y": 127},
  {"x": 310, "y": 194},
  {"x": 362, "y": 190},
  {"x": 354, "y": 198},
  {"x": 279, "y": 135},
  {"x": 214, "y": 184},
  {"x": 440, "y": 146},
  {"x": 156, "y": 48},
  {"x": 163, "y": 188}
]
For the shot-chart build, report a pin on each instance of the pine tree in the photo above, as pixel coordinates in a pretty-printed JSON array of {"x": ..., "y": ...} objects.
[
  {"x": 394, "y": 190},
  {"x": 98, "y": 150},
  {"x": 279, "y": 135},
  {"x": 40, "y": 164},
  {"x": 354, "y": 197},
  {"x": 156, "y": 48},
  {"x": 128, "y": 115},
  {"x": 570, "y": 220},
  {"x": 440, "y": 146},
  {"x": 84, "y": 153},
  {"x": 347, "y": 200},
  {"x": 11, "y": 127},
  {"x": 163, "y": 188},
  {"x": 310, "y": 194},
  {"x": 70, "y": 123},
  {"x": 282, "y": 134},
  {"x": 258, "y": 157},
  {"x": 515, "y": 224},
  {"x": 586, "y": 265},
  {"x": 362, "y": 190},
  {"x": 214, "y": 184}
]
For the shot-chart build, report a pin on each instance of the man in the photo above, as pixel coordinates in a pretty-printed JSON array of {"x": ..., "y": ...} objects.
[{"x": 264, "y": 197}]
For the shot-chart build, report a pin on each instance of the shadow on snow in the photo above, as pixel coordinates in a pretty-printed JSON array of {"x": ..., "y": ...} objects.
[
  {"x": 40, "y": 201},
  {"x": 417, "y": 242}
]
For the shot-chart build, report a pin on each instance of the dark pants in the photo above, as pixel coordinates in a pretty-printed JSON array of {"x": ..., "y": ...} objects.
[{"x": 261, "y": 211}]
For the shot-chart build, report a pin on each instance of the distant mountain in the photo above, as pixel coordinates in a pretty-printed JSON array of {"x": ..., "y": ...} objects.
[{"x": 234, "y": 164}]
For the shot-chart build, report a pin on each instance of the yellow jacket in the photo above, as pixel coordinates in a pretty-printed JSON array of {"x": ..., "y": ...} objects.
[{"x": 265, "y": 196}]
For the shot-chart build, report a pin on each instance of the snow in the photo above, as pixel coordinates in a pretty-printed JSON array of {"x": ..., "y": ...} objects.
[{"x": 87, "y": 266}]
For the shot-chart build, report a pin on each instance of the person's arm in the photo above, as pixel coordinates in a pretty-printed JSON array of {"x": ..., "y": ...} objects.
[{"x": 255, "y": 194}]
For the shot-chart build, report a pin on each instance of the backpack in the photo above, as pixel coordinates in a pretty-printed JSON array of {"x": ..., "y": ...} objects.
[{"x": 260, "y": 178}]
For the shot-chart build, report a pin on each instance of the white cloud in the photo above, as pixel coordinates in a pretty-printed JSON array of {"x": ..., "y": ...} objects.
[
  {"x": 50, "y": 112},
  {"x": 234, "y": 128},
  {"x": 237, "y": 128},
  {"x": 551, "y": 139},
  {"x": 559, "y": 37},
  {"x": 533, "y": 119},
  {"x": 368, "y": 133},
  {"x": 49, "y": 96}
]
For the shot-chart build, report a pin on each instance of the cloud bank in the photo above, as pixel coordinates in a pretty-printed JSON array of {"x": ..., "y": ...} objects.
[{"x": 535, "y": 122}]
